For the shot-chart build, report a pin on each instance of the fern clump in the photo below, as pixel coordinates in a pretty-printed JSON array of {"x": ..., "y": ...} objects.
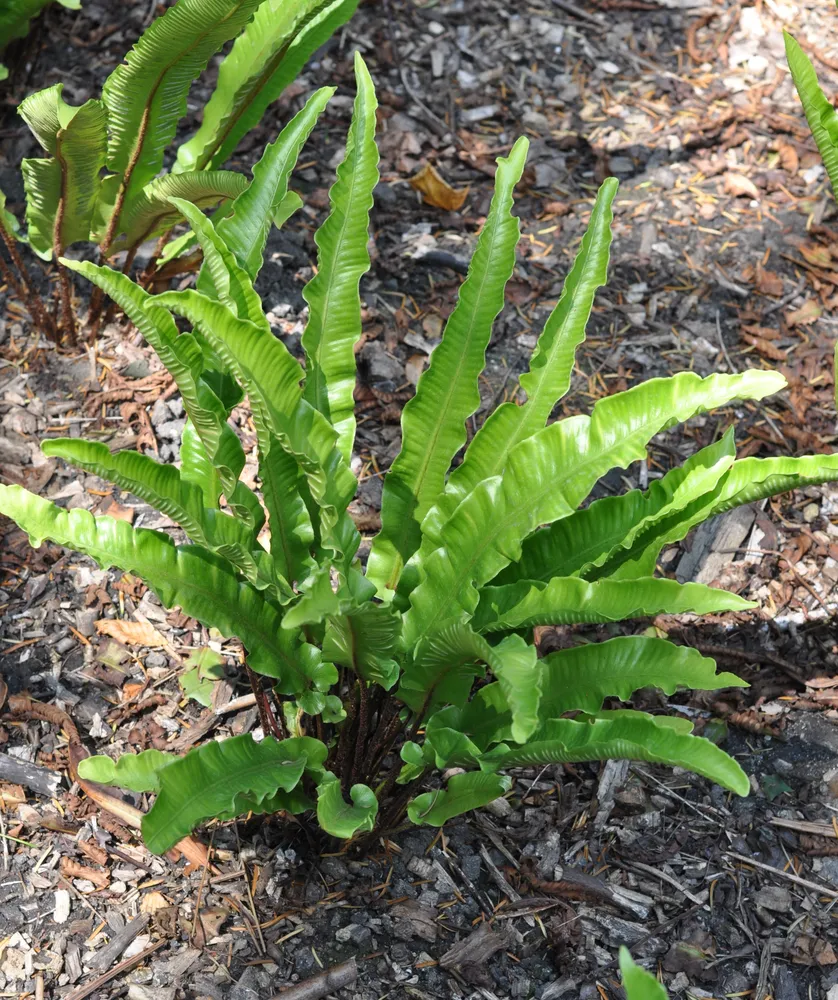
[
  {"x": 384, "y": 675},
  {"x": 102, "y": 178}
]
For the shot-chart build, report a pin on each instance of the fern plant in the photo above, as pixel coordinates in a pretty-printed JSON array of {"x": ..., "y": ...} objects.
[
  {"x": 384, "y": 675},
  {"x": 101, "y": 179},
  {"x": 823, "y": 124}
]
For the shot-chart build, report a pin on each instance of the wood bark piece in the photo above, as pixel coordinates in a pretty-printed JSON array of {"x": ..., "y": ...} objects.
[
  {"x": 84, "y": 991},
  {"x": 321, "y": 985},
  {"x": 37, "y": 779},
  {"x": 105, "y": 957},
  {"x": 469, "y": 957}
]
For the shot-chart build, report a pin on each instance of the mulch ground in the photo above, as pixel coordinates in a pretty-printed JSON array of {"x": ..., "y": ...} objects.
[{"x": 725, "y": 257}]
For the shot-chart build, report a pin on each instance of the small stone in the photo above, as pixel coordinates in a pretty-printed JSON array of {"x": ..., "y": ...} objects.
[
  {"x": 810, "y": 512},
  {"x": 61, "y": 912},
  {"x": 609, "y": 67},
  {"x": 774, "y": 898},
  {"x": 160, "y": 412},
  {"x": 171, "y": 430},
  {"x": 473, "y": 115}
]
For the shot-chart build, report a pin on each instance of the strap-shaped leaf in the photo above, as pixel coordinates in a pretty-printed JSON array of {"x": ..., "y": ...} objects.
[
  {"x": 271, "y": 377},
  {"x": 567, "y": 599},
  {"x": 146, "y": 94},
  {"x": 638, "y": 983},
  {"x": 138, "y": 772},
  {"x": 579, "y": 679},
  {"x": 196, "y": 467},
  {"x": 267, "y": 56},
  {"x": 548, "y": 475},
  {"x": 223, "y": 779},
  {"x": 548, "y": 378},
  {"x": 445, "y": 665},
  {"x": 152, "y": 213},
  {"x": 232, "y": 285},
  {"x": 205, "y": 585},
  {"x": 61, "y": 191},
  {"x": 245, "y": 230},
  {"x": 333, "y": 296},
  {"x": 463, "y": 793},
  {"x": 820, "y": 113},
  {"x": 283, "y": 486},
  {"x": 632, "y": 736},
  {"x": 340, "y": 818},
  {"x": 748, "y": 480},
  {"x": 165, "y": 488},
  {"x": 589, "y": 537},
  {"x": 292, "y": 534},
  {"x": 433, "y": 422},
  {"x": 183, "y": 357}
]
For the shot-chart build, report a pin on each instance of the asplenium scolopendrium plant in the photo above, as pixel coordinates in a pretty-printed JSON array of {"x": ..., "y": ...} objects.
[
  {"x": 823, "y": 123},
  {"x": 102, "y": 179},
  {"x": 425, "y": 659}
]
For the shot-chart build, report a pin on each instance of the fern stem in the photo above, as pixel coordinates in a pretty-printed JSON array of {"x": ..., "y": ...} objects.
[
  {"x": 68, "y": 320},
  {"x": 363, "y": 731},
  {"x": 29, "y": 294}
]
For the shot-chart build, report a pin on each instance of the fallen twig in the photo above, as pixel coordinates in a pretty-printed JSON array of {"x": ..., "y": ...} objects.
[
  {"x": 321, "y": 985},
  {"x": 812, "y": 886},
  {"x": 125, "y": 966}
]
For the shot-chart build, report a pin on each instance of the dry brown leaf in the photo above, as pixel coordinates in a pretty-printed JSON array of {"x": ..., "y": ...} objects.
[
  {"x": 789, "y": 159},
  {"x": 817, "y": 256},
  {"x": 822, "y": 682},
  {"x": 11, "y": 796},
  {"x": 121, "y": 513},
  {"x": 765, "y": 347},
  {"x": 414, "y": 366},
  {"x": 437, "y": 191},
  {"x": 131, "y": 633},
  {"x": 806, "y": 314},
  {"x": 768, "y": 283},
  {"x": 152, "y": 902},
  {"x": 72, "y": 869},
  {"x": 739, "y": 185}
]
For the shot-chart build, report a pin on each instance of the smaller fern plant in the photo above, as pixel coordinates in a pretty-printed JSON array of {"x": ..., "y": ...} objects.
[
  {"x": 102, "y": 178},
  {"x": 385, "y": 675}
]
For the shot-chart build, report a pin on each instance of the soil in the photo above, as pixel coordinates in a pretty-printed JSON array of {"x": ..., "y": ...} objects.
[{"x": 724, "y": 258}]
